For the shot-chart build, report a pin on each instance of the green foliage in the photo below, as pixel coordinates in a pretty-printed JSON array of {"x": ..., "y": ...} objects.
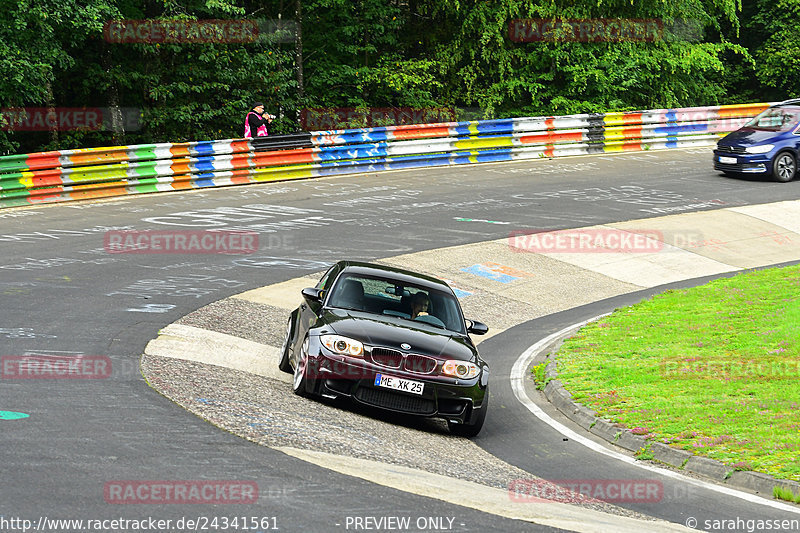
[
  {"x": 644, "y": 454},
  {"x": 485, "y": 68},
  {"x": 778, "y": 55},
  {"x": 374, "y": 53},
  {"x": 540, "y": 375},
  {"x": 356, "y": 54},
  {"x": 780, "y": 493},
  {"x": 185, "y": 91},
  {"x": 37, "y": 39}
]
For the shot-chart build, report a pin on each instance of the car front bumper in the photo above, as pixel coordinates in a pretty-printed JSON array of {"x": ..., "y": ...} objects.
[
  {"x": 742, "y": 163},
  {"x": 455, "y": 400}
]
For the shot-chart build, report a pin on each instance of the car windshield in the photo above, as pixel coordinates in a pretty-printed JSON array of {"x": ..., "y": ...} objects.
[
  {"x": 775, "y": 119},
  {"x": 388, "y": 297}
]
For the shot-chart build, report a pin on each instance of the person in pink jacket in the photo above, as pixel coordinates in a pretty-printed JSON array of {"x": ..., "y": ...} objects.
[{"x": 257, "y": 122}]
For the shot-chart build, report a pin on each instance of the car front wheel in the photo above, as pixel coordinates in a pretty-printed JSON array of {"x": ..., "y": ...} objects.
[
  {"x": 784, "y": 167},
  {"x": 470, "y": 430},
  {"x": 300, "y": 381},
  {"x": 284, "y": 363}
]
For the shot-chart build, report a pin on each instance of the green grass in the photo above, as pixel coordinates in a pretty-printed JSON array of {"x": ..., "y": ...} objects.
[
  {"x": 644, "y": 454},
  {"x": 712, "y": 369},
  {"x": 785, "y": 494},
  {"x": 540, "y": 375}
]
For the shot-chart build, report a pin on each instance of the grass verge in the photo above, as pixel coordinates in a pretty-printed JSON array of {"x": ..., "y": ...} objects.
[
  {"x": 712, "y": 369},
  {"x": 785, "y": 494},
  {"x": 540, "y": 375}
]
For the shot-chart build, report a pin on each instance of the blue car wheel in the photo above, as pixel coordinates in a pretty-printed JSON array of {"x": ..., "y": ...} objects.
[{"x": 784, "y": 167}]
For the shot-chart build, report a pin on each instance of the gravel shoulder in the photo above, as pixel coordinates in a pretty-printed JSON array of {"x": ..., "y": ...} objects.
[{"x": 266, "y": 412}]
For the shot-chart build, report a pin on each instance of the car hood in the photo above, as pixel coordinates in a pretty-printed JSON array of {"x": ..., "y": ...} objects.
[
  {"x": 748, "y": 137},
  {"x": 391, "y": 332}
]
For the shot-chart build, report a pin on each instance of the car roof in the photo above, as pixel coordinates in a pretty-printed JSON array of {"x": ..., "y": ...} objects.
[
  {"x": 399, "y": 274},
  {"x": 794, "y": 103}
]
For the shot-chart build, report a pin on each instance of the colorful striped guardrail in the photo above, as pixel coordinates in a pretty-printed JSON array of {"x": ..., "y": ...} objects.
[{"x": 102, "y": 172}]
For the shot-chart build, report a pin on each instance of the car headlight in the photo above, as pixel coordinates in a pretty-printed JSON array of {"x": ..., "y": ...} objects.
[
  {"x": 460, "y": 369},
  {"x": 762, "y": 149},
  {"x": 343, "y": 345}
]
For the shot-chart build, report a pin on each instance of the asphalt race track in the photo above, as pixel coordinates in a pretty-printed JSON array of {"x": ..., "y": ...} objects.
[{"x": 62, "y": 293}]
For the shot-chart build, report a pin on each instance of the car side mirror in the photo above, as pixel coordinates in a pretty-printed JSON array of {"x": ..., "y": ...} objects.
[
  {"x": 312, "y": 295},
  {"x": 477, "y": 328}
]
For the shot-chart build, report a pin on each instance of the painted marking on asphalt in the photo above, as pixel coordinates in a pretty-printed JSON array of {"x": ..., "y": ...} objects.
[
  {"x": 460, "y": 293},
  {"x": 461, "y": 219},
  {"x": 11, "y": 415},
  {"x": 23, "y": 333},
  {"x": 518, "y": 386},
  {"x": 497, "y": 272},
  {"x": 153, "y": 308},
  {"x": 486, "y": 272}
]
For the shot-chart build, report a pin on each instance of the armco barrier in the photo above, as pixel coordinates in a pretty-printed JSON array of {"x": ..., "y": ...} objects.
[{"x": 101, "y": 172}]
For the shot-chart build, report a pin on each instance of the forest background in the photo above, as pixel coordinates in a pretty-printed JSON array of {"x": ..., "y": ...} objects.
[{"x": 454, "y": 55}]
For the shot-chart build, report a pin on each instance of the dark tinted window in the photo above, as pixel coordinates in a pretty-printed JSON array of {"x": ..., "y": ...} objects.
[{"x": 388, "y": 297}]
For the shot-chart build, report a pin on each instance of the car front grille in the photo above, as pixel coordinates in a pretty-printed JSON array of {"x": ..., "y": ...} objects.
[
  {"x": 419, "y": 364},
  {"x": 731, "y": 149},
  {"x": 386, "y": 357},
  {"x": 395, "y": 401}
]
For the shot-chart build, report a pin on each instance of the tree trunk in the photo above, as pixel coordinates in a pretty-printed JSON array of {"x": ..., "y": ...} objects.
[
  {"x": 298, "y": 59},
  {"x": 112, "y": 98},
  {"x": 51, "y": 110}
]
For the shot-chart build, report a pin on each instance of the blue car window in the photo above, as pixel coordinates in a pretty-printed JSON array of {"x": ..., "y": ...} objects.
[{"x": 775, "y": 119}]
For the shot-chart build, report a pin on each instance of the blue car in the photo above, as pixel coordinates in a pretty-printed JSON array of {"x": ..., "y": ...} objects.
[{"x": 769, "y": 144}]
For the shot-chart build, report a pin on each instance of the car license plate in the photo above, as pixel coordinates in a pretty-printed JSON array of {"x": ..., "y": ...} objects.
[
  {"x": 727, "y": 160},
  {"x": 405, "y": 385}
]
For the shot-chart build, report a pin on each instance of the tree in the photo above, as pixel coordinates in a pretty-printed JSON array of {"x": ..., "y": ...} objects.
[
  {"x": 358, "y": 54},
  {"x": 37, "y": 39},
  {"x": 777, "y": 47},
  {"x": 56, "y": 54},
  {"x": 484, "y": 67},
  {"x": 381, "y": 53}
]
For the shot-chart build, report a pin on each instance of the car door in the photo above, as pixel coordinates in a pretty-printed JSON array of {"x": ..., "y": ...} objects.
[{"x": 796, "y": 134}]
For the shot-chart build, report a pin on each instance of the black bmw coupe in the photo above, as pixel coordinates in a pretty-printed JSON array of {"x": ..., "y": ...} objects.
[{"x": 391, "y": 339}]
